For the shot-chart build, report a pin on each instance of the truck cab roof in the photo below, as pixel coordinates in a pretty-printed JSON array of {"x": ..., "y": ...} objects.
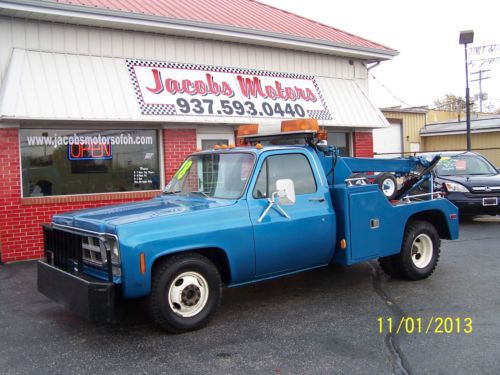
[{"x": 253, "y": 149}]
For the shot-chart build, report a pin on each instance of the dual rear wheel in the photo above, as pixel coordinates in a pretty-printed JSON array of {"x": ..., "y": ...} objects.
[{"x": 419, "y": 253}]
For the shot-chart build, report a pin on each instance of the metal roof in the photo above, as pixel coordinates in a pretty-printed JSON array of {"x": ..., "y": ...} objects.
[
  {"x": 60, "y": 86},
  {"x": 399, "y": 109},
  {"x": 243, "y": 17},
  {"x": 460, "y": 127}
]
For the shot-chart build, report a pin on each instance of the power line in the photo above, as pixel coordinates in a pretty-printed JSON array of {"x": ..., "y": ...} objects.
[
  {"x": 481, "y": 78},
  {"x": 458, "y": 100},
  {"x": 481, "y": 50},
  {"x": 482, "y": 62},
  {"x": 388, "y": 90}
]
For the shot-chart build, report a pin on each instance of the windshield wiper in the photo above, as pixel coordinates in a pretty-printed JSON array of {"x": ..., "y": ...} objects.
[
  {"x": 172, "y": 192},
  {"x": 478, "y": 174},
  {"x": 201, "y": 193}
]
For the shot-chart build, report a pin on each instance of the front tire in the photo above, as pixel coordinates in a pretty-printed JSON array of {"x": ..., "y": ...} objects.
[
  {"x": 419, "y": 253},
  {"x": 186, "y": 290}
]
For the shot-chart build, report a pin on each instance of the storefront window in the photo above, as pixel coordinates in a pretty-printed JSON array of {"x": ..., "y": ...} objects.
[
  {"x": 341, "y": 141},
  {"x": 63, "y": 162}
]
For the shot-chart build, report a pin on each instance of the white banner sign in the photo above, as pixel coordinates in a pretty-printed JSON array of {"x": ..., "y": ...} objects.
[{"x": 200, "y": 90}]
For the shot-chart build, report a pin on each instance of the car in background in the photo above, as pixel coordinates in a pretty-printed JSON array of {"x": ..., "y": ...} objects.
[{"x": 469, "y": 181}]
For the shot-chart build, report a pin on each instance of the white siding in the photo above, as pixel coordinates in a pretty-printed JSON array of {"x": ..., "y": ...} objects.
[{"x": 32, "y": 34}]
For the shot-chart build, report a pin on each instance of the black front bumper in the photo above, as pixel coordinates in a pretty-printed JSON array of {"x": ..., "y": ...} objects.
[
  {"x": 472, "y": 204},
  {"x": 86, "y": 296}
]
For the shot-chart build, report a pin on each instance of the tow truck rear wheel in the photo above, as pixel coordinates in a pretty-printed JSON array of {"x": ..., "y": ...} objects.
[
  {"x": 419, "y": 253},
  {"x": 186, "y": 290}
]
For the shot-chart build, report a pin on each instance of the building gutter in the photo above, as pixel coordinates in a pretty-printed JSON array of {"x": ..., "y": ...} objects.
[
  {"x": 459, "y": 132},
  {"x": 78, "y": 14}
]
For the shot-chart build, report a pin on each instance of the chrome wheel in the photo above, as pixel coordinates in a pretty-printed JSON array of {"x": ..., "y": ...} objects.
[
  {"x": 188, "y": 294},
  {"x": 422, "y": 250}
]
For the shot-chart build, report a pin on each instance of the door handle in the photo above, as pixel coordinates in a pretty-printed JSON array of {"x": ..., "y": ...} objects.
[{"x": 319, "y": 199}]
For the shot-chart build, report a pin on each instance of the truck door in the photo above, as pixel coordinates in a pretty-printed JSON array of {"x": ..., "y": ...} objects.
[{"x": 307, "y": 238}]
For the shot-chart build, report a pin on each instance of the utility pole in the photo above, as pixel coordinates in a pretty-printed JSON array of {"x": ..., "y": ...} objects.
[{"x": 480, "y": 80}]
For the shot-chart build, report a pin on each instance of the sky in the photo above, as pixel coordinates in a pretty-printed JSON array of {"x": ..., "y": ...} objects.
[{"x": 431, "y": 62}]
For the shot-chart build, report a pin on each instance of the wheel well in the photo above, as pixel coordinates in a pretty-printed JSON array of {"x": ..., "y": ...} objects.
[
  {"x": 216, "y": 255},
  {"x": 436, "y": 218}
]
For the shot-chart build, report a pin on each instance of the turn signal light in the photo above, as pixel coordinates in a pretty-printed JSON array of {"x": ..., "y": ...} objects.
[
  {"x": 258, "y": 146},
  {"x": 298, "y": 125},
  {"x": 322, "y": 135},
  {"x": 343, "y": 243},
  {"x": 248, "y": 129},
  {"x": 142, "y": 258}
]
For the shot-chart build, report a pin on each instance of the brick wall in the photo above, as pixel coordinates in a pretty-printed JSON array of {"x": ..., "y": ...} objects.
[
  {"x": 177, "y": 145},
  {"x": 363, "y": 144},
  {"x": 20, "y": 218}
]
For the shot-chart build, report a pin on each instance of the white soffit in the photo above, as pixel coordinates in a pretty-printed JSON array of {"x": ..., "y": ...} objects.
[{"x": 57, "y": 86}]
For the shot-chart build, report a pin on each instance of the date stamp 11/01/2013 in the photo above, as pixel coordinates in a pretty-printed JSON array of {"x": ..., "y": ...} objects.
[{"x": 433, "y": 325}]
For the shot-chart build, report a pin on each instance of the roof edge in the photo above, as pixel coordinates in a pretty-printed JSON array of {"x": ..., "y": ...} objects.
[
  {"x": 404, "y": 110},
  {"x": 323, "y": 24},
  {"x": 192, "y": 28},
  {"x": 459, "y": 132},
  {"x": 464, "y": 122}
]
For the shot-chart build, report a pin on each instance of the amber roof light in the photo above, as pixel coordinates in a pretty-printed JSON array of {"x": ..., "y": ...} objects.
[{"x": 298, "y": 125}]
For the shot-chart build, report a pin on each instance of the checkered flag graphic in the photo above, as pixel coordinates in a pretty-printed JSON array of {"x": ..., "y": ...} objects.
[{"x": 170, "y": 109}]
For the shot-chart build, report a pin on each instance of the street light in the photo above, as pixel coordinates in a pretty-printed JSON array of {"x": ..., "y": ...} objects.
[{"x": 467, "y": 37}]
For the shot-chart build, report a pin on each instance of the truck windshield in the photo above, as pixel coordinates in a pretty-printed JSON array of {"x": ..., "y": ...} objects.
[
  {"x": 214, "y": 175},
  {"x": 461, "y": 165}
]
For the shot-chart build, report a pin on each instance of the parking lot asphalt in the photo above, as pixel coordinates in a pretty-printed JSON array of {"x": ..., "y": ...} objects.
[{"x": 324, "y": 321}]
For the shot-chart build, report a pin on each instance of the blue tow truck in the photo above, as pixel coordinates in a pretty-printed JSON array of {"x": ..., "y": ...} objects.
[{"x": 233, "y": 216}]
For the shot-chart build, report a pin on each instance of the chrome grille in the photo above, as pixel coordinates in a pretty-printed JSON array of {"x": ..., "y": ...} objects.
[
  {"x": 486, "y": 189},
  {"x": 92, "y": 250}
]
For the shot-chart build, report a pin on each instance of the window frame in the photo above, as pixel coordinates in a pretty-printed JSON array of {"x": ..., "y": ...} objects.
[
  {"x": 229, "y": 135},
  {"x": 286, "y": 152},
  {"x": 125, "y": 128},
  {"x": 349, "y": 140}
]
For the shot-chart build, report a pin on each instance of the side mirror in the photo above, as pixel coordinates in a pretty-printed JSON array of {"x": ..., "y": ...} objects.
[{"x": 285, "y": 190}]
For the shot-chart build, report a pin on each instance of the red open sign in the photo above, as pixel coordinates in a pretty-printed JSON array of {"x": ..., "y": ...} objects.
[{"x": 91, "y": 151}]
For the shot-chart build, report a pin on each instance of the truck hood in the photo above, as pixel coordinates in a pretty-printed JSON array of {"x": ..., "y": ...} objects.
[
  {"x": 106, "y": 219},
  {"x": 474, "y": 180}
]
